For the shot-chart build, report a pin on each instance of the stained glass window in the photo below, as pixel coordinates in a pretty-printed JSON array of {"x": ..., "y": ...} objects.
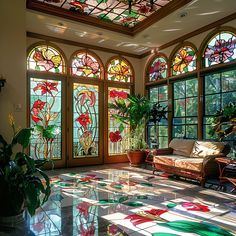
[
  {"x": 116, "y": 130},
  {"x": 158, "y": 133},
  {"x": 45, "y": 58},
  {"x": 85, "y": 64},
  {"x": 220, "y": 49},
  {"x": 185, "y": 109},
  {"x": 85, "y": 120},
  {"x": 119, "y": 70},
  {"x": 115, "y": 11},
  {"x": 45, "y": 118},
  {"x": 184, "y": 61},
  {"x": 220, "y": 90},
  {"x": 158, "y": 69}
]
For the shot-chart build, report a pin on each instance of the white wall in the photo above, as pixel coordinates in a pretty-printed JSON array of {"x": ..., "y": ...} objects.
[{"x": 12, "y": 63}]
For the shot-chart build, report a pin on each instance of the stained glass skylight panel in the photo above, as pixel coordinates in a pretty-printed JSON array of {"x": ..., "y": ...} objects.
[{"x": 116, "y": 11}]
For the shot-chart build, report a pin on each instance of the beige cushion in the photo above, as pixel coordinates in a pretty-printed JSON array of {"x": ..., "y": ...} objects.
[
  {"x": 168, "y": 160},
  {"x": 194, "y": 164},
  {"x": 182, "y": 147},
  {"x": 205, "y": 148}
]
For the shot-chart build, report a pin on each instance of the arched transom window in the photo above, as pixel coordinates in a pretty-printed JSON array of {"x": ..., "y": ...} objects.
[
  {"x": 184, "y": 60},
  {"x": 45, "y": 58},
  {"x": 85, "y": 64},
  {"x": 221, "y": 48},
  {"x": 158, "y": 69},
  {"x": 119, "y": 70}
]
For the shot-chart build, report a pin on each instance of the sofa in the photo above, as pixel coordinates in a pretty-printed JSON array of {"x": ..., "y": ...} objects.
[{"x": 189, "y": 158}]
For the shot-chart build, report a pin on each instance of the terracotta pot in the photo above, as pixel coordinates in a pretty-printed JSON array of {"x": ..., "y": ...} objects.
[{"x": 136, "y": 157}]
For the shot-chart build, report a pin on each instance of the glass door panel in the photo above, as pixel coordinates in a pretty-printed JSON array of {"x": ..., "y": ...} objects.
[
  {"x": 117, "y": 131},
  {"x": 46, "y": 119},
  {"x": 85, "y": 123}
]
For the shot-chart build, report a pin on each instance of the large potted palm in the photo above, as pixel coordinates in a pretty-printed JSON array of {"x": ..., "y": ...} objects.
[
  {"x": 135, "y": 113},
  {"x": 24, "y": 186}
]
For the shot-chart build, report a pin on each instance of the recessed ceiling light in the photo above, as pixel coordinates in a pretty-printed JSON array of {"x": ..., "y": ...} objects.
[
  {"x": 101, "y": 41},
  {"x": 183, "y": 14},
  {"x": 208, "y": 13},
  {"x": 170, "y": 30}
]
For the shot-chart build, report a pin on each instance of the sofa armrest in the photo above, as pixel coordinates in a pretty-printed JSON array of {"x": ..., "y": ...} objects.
[
  {"x": 164, "y": 151},
  {"x": 154, "y": 152}
]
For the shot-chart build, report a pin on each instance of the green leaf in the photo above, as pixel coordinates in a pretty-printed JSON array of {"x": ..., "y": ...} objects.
[
  {"x": 146, "y": 184},
  {"x": 202, "y": 229},
  {"x": 165, "y": 234},
  {"x": 123, "y": 199},
  {"x": 121, "y": 128},
  {"x": 107, "y": 201},
  {"x": 133, "y": 204},
  {"x": 23, "y": 137},
  {"x": 171, "y": 205},
  {"x": 49, "y": 132},
  {"x": 101, "y": 1},
  {"x": 31, "y": 198}
]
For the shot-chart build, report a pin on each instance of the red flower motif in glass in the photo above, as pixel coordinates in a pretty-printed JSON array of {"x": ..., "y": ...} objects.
[
  {"x": 84, "y": 120},
  {"x": 115, "y": 136},
  {"x": 46, "y": 87},
  {"x": 119, "y": 94}
]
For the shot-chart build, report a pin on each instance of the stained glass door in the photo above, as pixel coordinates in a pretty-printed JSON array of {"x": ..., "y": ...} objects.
[
  {"x": 86, "y": 143},
  {"x": 47, "y": 119}
]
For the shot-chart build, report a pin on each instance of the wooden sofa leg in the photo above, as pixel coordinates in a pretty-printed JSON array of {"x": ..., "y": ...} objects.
[{"x": 202, "y": 182}]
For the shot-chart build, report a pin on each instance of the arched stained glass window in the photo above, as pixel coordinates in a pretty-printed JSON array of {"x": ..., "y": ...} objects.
[
  {"x": 46, "y": 58},
  {"x": 221, "y": 48},
  {"x": 184, "y": 60},
  {"x": 119, "y": 70},
  {"x": 85, "y": 64},
  {"x": 158, "y": 69}
]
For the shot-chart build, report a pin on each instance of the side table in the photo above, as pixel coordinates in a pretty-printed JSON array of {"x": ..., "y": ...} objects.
[{"x": 223, "y": 162}]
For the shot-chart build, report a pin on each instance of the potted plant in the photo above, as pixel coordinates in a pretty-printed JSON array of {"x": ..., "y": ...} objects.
[
  {"x": 224, "y": 123},
  {"x": 157, "y": 113},
  {"x": 24, "y": 186},
  {"x": 135, "y": 113}
]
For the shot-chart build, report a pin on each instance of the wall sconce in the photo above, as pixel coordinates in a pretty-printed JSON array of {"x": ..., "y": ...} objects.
[{"x": 2, "y": 82}]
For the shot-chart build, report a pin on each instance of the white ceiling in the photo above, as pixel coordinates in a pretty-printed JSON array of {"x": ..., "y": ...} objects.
[{"x": 196, "y": 14}]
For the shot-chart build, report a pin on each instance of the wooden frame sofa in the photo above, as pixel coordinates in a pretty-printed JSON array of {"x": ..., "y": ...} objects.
[{"x": 190, "y": 159}]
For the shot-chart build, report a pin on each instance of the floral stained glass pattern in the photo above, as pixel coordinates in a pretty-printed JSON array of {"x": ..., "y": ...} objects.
[
  {"x": 119, "y": 70},
  {"x": 84, "y": 64},
  {"x": 85, "y": 120},
  {"x": 45, "y": 114},
  {"x": 158, "y": 69},
  {"x": 220, "y": 49},
  {"x": 45, "y": 58},
  {"x": 115, "y": 11},
  {"x": 116, "y": 129},
  {"x": 184, "y": 61}
]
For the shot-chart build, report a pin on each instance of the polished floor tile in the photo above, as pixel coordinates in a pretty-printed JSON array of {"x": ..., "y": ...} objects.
[{"x": 119, "y": 200}]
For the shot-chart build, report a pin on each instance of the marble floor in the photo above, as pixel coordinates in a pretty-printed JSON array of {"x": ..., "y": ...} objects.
[{"x": 120, "y": 200}]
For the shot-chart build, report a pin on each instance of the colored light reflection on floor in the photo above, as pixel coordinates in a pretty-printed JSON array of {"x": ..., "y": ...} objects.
[{"x": 128, "y": 201}]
